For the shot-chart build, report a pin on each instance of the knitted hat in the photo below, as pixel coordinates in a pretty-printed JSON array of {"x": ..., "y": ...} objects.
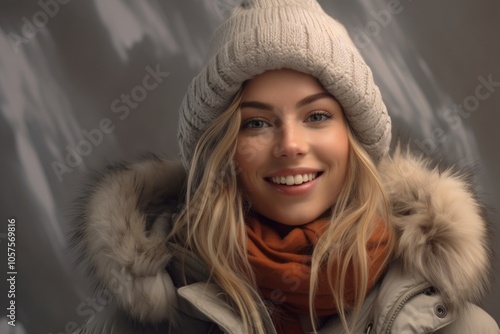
[{"x": 263, "y": 35}]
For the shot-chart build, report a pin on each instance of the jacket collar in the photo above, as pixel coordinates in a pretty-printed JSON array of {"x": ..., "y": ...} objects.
[
  {"x": 441, "y": 234},
  {"x": 440, "y": 229}
]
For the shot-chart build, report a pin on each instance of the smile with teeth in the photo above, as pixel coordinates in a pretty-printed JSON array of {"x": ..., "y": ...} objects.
[{"x": 293, "y": 180}]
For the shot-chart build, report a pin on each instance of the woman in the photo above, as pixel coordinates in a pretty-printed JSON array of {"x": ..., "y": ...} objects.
[{"x": 287, "y": 215}]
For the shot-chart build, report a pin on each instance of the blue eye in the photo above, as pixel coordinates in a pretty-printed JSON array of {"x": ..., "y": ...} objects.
[
  {"x": 254, "y": 124},
  {"x": 319, "y": 116}
]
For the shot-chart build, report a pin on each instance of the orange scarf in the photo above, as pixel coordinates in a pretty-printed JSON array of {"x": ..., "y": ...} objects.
[{"x": 282, "y": 266}]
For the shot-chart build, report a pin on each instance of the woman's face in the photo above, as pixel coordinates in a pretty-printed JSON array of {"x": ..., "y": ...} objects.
[{"x": 292, "y": 147}]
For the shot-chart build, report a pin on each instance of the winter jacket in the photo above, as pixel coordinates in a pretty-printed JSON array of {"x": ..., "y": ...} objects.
[{"x": 440, "y": 266}]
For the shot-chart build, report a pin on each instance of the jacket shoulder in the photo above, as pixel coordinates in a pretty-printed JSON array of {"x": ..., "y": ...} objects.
[
  {"x": 119, "y": 234},
  {"x": 408, "y": 304},
  {"x": 113, "y": 319},
  {"x": 440, "y": 228}
]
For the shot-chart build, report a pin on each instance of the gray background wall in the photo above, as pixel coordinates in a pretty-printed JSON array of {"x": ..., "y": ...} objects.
[{"x": 67, "y": 67}]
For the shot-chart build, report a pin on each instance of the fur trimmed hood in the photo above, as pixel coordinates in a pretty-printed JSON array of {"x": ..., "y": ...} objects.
[{"x": 127, "y": 211}]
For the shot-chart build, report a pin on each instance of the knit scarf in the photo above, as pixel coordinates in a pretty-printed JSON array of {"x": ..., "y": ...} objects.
[{"x": 282, "y": 264}]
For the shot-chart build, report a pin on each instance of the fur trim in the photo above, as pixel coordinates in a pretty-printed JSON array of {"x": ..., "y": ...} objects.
[
  {"x": 125, "y": 253},
  {"x": 442, "y": 235}
]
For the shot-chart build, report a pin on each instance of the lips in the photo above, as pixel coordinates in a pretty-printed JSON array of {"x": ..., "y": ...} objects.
[
  {"x": 289, "y": 177},
  {"x": 293, "y": 180}
]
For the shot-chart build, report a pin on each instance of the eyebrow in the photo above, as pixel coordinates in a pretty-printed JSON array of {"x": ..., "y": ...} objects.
[{"x": 305, "y": 101}]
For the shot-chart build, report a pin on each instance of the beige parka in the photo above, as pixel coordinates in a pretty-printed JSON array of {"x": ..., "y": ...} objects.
[{"x": 440, "y": 267}]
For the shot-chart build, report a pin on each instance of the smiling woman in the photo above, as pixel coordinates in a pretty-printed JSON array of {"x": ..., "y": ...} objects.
[
  {"x": 287, "y": 215},
  {"x": 301, "y": 134}
]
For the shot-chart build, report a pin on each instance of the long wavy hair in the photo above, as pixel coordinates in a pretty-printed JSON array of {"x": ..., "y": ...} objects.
[{"x": 212, "y": 224}]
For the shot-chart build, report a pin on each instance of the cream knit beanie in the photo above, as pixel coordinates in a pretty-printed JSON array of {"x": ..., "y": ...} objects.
[{"x": 263, "y": 35}]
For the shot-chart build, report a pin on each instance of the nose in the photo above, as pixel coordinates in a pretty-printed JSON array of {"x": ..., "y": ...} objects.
[{"x": 291, "y": 142}]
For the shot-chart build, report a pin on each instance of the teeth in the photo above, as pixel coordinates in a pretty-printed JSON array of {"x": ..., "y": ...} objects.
[{"x": 291, "y": 180}]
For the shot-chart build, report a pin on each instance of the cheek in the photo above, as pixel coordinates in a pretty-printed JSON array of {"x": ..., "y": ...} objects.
[
  {"x": 335, "y": 147},
  {"x": 343, "y": 157},
  {"x": 343, "y": 150},
  {"x": 251, "y": 150},
  {"x": 246, "y": 152},
  {"x": 247, "y": 161}
]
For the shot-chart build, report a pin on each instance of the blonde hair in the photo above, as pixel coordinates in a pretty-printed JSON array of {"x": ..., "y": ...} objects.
[
  {"x": 212, "y": 223},
  {"x": 361, "y": 203}
]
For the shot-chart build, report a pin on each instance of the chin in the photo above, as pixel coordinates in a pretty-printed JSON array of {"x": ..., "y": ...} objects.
[{"x": 296, "y": 220}]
